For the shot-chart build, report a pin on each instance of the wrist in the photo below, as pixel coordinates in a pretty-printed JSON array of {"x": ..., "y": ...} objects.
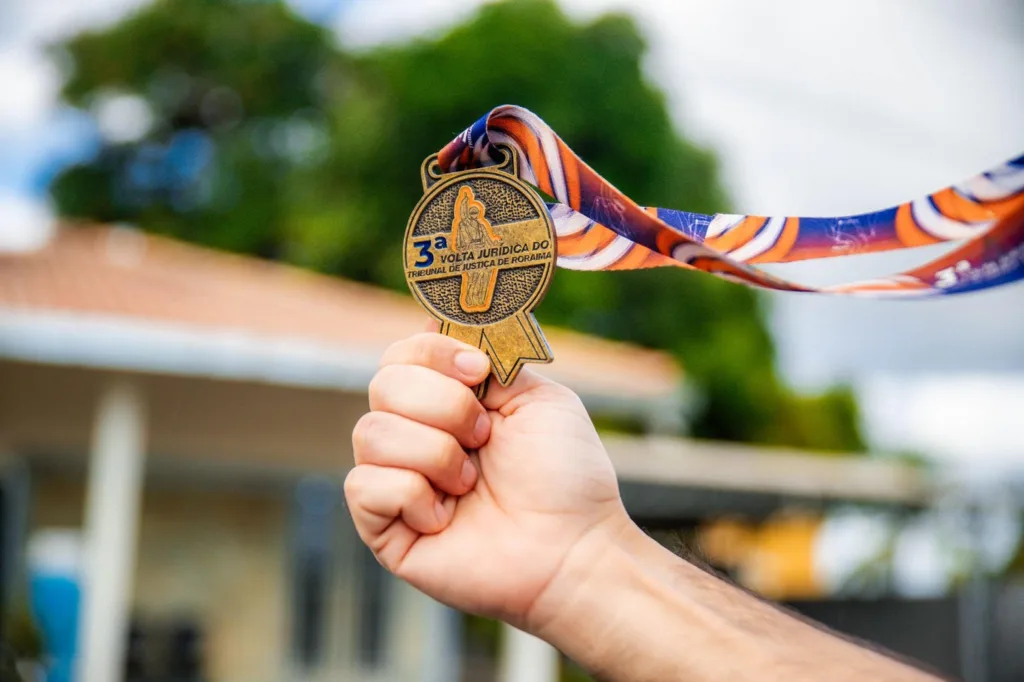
[
  {"x": 626, "y": 608},
  {"x": 596, "y": 594}
]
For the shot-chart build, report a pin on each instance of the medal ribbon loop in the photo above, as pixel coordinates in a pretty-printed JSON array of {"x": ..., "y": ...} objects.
[{"x": 600, "y": 228}]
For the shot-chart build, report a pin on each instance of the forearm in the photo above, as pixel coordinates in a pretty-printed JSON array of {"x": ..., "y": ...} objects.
[{"x": 637, "y": 613}]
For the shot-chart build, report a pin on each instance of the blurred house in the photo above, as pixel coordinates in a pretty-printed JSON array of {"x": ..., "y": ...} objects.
[
  {"x": 189, "y": 413},
  {"x": 225, "y": 383}
]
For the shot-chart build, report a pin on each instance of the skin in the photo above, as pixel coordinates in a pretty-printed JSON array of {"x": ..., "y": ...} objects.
[{"x": 529, "y": 528}]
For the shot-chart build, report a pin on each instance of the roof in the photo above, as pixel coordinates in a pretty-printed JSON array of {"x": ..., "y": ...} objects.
[
  {"x": 760, "y": 479},
  {"x": 123, "y": 299}
]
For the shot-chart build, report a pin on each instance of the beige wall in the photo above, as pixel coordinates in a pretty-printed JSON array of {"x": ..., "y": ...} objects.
[
  {"x": 222, "y": 557},
  {"x": 51, "y": 409},
  {"x": 214, "y": 555}
]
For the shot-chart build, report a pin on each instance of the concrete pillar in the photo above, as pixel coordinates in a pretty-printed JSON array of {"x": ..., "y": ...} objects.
[
  {"x": 424, "y": 637},
  {"x": 442, "y": 650},
  {"x": 975, "y": 603},
  {"x": 113, "y": 497},
  {"x": 525, "y": 658},
  {"x": 404, "y": 628}
]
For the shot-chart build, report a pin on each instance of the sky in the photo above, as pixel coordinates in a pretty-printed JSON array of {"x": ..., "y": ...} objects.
[{"x": 812, "y": 108}]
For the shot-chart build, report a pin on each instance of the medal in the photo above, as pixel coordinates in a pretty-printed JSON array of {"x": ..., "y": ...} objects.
[
  {"x": 480, "y": 248},
  {"x": 479, "y": 255}
]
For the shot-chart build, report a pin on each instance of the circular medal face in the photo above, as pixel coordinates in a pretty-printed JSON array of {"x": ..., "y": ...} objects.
[{"x": 479, "y": 248}]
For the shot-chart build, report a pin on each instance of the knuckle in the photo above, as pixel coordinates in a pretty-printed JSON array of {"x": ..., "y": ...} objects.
[
  {"x": 354, "y": 485},
  {"x": 413, "y": 486},
  {"x": 390, "y": 353},
  {"x": 433, "y": 351},
  {"x": 466, "y": 404},
  {"x": 366, "y": 432},
  {"x": 381, "y": 382},
  {"x": 419, "y": 349},
  {"x": 424, "y": 354},
  {"x": 445, "y": 453},
  {"x": 373, "y": 389},
  {"x": 440, "y": 354}
]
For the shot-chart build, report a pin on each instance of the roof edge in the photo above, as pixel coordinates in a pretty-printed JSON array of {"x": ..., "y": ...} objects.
[
  {"x": 746, "y": 468},
  {"x": 120, "y": 344},
  {"x": 116, "y": 344}
]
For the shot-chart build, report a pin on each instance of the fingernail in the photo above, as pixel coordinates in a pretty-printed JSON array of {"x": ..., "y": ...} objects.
[
  {"x": 471, "y": 363},
  {"x": 439, "y": 511},
  {"x": 482, "y": 428},
  {"x": 468, "y": 473}
]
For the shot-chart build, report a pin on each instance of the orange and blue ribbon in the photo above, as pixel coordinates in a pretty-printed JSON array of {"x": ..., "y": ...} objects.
[{"x": 600, "y": 228}]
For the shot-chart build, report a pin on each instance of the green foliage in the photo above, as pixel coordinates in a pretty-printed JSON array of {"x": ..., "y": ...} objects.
[
  {"x": 311, "y": 154},
  {"x": 573, "y": 673},
  {"x": 22, "y": 633},
  {"x": 1016, "y": 565},
  {"x": 828, "y": 421},
  {"x": 236, "y": 89}
]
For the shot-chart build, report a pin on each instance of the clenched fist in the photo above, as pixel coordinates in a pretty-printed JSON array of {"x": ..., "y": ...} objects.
[{"x": 477, "y": 505}]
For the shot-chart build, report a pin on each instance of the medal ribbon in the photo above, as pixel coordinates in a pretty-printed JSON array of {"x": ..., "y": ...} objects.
[{"x": 600, "y": 228}]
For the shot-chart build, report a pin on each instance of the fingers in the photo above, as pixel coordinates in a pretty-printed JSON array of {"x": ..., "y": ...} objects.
[
  {"x": 442, "y": 354},
  {"x": 390, "y": 440},
  {"x": 424, "y": 396},
  {"x": 377, "y": 496}
]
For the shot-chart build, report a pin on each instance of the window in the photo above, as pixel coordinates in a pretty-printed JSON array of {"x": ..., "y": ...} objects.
[{"x": 316, "y": 501}]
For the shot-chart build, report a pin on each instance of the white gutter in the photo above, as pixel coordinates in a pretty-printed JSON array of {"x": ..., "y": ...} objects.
[
  {"x": 133, "y": 345},
  {"x": 126, "y": 344}
]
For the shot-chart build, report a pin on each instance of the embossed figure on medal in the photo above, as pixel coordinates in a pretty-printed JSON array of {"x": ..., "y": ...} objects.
[{"x": 479, "y": 255}]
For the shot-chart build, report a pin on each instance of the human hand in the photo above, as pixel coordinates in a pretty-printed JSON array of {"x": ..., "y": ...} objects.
[
  {"x": 530, "y": 529},
  {"x": 485, "y": 533}
]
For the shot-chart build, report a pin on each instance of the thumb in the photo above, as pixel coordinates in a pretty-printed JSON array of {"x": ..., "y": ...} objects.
[{"x": 527, "y": 387}]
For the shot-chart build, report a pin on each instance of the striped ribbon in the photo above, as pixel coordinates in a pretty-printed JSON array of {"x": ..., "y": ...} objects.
[{"x": 600, "y": 228}]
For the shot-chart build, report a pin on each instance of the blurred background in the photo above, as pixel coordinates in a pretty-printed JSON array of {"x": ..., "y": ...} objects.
[{"x": 201, "y": 210}]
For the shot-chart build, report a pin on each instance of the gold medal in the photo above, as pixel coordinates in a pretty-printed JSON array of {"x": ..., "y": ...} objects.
[{"x": 479, "y": 256}]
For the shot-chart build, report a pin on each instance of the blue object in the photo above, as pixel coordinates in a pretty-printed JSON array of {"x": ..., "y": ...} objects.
[{"x": 55, "y": 604}]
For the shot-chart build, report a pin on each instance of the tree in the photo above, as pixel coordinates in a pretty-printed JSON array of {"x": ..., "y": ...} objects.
[
  {"x": 236, "y": 95},
  {"x": 310, "y": 154}
]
